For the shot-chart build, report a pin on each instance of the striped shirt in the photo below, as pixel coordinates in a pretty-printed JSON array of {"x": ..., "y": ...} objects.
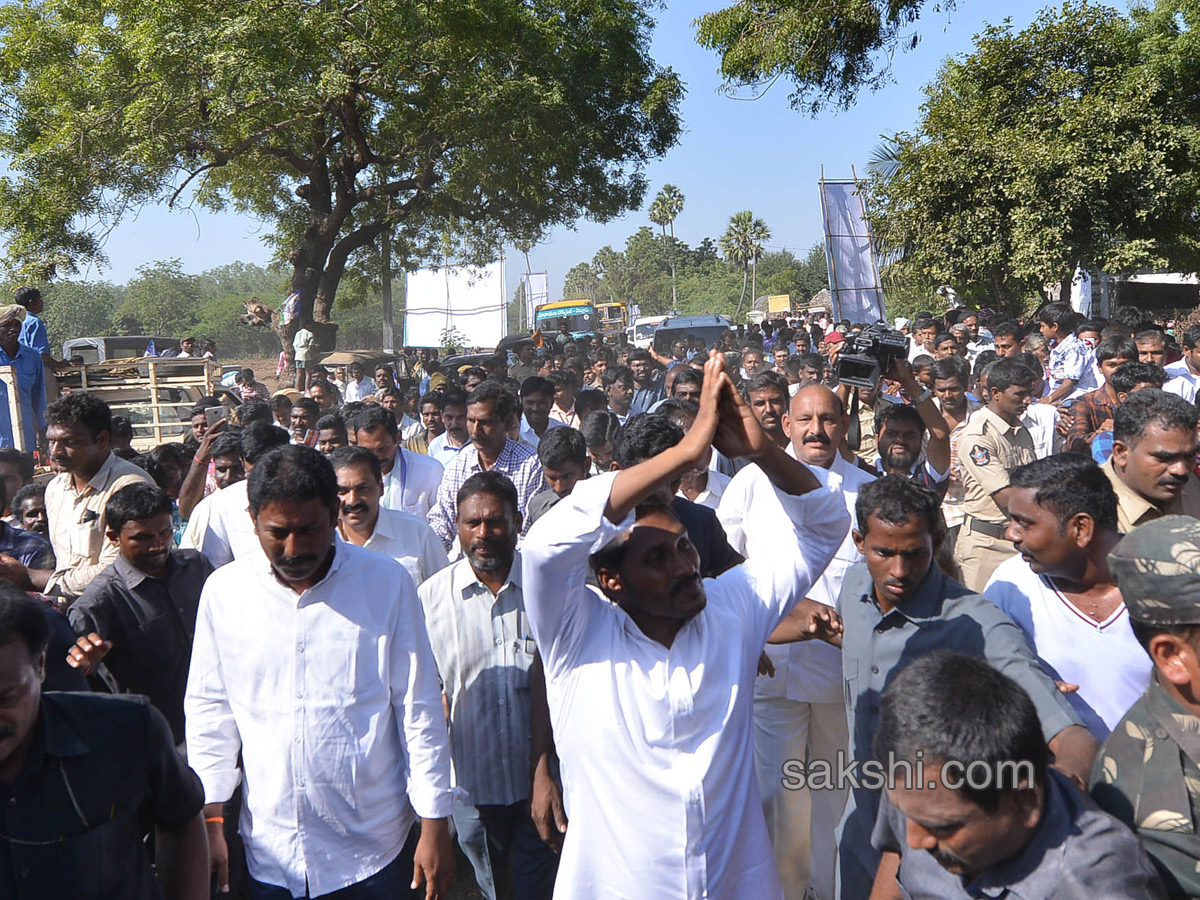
[
  {"x": 483, "y": 649},
  {"x": 518, "y": 461}
]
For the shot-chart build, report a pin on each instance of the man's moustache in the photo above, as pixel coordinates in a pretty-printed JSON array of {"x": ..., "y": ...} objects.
[
  {"x": 684, "y": 584},
  {"x": 817, "y": 439},
  {"x": 356, "y": 508}
]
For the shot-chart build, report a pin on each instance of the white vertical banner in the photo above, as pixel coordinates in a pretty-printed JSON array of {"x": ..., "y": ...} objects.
[
  {"x": 1081, "y": 292},
  {"x": 854, "y": 286},
  {"x": 471, "y": 300},
  {"x": 537, "y": 292}
]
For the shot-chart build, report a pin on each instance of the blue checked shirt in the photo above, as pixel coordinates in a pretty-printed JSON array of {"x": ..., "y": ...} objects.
[
  {"x": 518, "y": 461},
  {"x": 27, "y": 547},
  {"x": 1072, "y": 358}
]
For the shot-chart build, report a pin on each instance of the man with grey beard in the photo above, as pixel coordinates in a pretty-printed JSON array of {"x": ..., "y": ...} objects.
[{"x": 475, "y": 614}]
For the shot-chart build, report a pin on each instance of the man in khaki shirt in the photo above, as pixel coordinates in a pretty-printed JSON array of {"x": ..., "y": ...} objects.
[
  {"x": 1153, "y": 463},
  {"x": 79, "y": 426},
  {"x": 991, "y": 444}
]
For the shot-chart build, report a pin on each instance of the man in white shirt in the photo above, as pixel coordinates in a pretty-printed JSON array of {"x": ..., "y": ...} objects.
[
  {"x": 221, "y": 527},
  {"x": 475, "y": 612},
  {"x": 447, "y": 445},
  {"x": 363, "y": 522},
  {"x": 1188, "y": 368},
  {"x": 357, "y": 386},
  {"x": 410, "y": 480},
  {"x": 313, "y": 663},
  {"x": 1060, "y": 592},
  {"x": 1152, "y": 348},
  {"x": 650, "y": 681},
  {"x": 800, "y": 712},
  {"x": 537, "y": 395}
]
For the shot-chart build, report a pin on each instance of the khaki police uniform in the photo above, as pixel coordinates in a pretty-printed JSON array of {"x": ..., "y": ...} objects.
[
  {"x": 988, "y": 451},
  {"x": 1133, "y": 509}
]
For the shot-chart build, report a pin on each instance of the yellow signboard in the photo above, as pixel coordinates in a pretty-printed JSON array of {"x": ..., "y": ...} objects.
[{"x": 779, "y": 303}]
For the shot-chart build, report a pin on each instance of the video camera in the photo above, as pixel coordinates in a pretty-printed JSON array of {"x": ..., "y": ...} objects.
[{"x": 868, "y": 355}]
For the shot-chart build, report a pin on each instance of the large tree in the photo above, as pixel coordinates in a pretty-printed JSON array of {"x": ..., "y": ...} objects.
[
  {"x": 332, "y": 122},
  {"x": 827, "y": 49},
  {"x": 1072, "y": 142},
  {"x": 663, "y": 211},
  {"x": 742, "y": 245}
]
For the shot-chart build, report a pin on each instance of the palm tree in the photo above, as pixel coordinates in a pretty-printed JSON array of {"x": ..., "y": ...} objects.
[
  {"x": 663, "y": 211},
  {"x": 742, "y": 245}
]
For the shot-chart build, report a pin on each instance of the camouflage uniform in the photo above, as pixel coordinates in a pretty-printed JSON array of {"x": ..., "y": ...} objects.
[{"x": 1148, "y": 772}]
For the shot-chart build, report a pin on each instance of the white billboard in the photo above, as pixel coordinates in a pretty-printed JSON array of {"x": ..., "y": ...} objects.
[
  {"x": 471, "y": 300},
  {"x": 853, "y": 274}
]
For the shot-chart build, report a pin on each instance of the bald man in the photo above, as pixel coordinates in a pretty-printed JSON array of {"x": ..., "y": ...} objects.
[{"x": 800, "y": 712}]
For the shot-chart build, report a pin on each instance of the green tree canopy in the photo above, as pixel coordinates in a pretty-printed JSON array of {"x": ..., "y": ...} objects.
[
  {"x": 827, "y": 49},
  {"x": 332, "y": 122},
  {"x": 1074, "y": 141}
]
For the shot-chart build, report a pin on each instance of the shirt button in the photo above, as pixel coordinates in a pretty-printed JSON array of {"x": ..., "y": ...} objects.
[
  {"x": 299, "y": 695},
  {"x": 12, "y": 801},
  {"x": 874, "y": 670},
  {"x": 499, "y": 642},
  {"x": 501, "y": 701}
]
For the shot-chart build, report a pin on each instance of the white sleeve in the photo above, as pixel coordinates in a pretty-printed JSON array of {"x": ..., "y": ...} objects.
[
  {"x": 935, "y": 476},
  {"x": 211, "y": 733},
  {"x": 554, "y": 568},
  {"x": 733, "y": 508},
  {"x": 419, "y": 710},
  {"x": 791, "y": 540},
  {"x": 433, "y": 555}
]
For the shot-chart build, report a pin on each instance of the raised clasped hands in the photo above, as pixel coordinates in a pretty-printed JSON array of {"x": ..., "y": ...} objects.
[{"x": 725, "y": 420}]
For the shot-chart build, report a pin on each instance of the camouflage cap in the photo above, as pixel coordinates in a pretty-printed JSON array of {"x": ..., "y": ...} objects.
[{"x": 1157, "y": 568}]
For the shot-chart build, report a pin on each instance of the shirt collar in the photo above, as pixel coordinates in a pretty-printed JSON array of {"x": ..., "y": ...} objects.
[
  {"x": 469, "y": 584},
  {"x": 131, "y": 574},
  {"x": 998, "y": 422},
  {"x": 1006, "y": 877},
  {"x": 99, "y": 480},
  {"x": 923, "y": 606},
  {"x": 340, "y": 551},
  {"x": 1135, "y": 504},
  {"x": 55, "y": 737}
]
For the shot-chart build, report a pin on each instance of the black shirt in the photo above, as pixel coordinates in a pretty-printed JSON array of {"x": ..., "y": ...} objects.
[
  {"x": 101, "y": 769},
  {"x": 707, "y": 536},
  {"x": 151, "y": 623}
]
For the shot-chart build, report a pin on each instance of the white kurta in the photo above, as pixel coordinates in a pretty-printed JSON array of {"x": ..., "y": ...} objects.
[
  {"x": 805, "y": 671},
  {"x": 656, "y": 744}
]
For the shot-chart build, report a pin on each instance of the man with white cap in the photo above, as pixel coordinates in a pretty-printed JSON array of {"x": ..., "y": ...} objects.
[{"x": 31, "y": 379}]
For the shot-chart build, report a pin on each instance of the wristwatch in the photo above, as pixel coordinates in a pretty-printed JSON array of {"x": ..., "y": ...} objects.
[{"x": 922, "y": 397}]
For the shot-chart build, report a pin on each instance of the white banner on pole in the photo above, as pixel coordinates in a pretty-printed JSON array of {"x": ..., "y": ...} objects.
[
  {"x": 853, "y": 273},
  {"x": 537, "y": 292},
  {"x": 473, "y": 301}
]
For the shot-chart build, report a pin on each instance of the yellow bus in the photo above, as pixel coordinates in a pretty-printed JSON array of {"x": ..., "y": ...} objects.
[
  {"x": 611, "y": 318},
  {"x": 579, "y": 316}
]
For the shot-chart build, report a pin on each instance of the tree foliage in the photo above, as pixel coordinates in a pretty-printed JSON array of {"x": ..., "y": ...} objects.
[
  {"x": 742, "y": 245},
  {"x": 333, "y": 122},
  {"x": 828, "y": 49},
  {"x": 1074, "y": 141},
  {"x": 705, "y": 282}
]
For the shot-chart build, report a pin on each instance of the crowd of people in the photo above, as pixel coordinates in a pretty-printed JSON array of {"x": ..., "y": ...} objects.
[{"x": 680, "y": 621}]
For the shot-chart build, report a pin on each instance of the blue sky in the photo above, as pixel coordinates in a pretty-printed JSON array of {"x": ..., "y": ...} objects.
[{"x": 733, "y": 155}]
